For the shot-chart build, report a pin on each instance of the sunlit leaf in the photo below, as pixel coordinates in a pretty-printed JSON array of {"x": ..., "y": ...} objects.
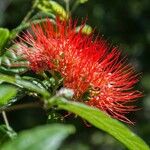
[
  {"x": 102, "y": 121},
  {"x": 54, "y": 7},
  {"x": 86, "y": 29},
  {"x": 28, "y": 85},
  {"x": 7, "y": 92}
]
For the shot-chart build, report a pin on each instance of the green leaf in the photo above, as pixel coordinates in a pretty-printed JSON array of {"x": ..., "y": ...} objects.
[
  {"x": 10, "y": 63},
  {"x": 18, "y": 81},
  {"x": 48, "y": 137},
  {"x": 102, "y": 121},
  {"x": 4, "y": 35},
  {"x": 54, "y": 7},
  {"x": 86, "y": 29},
  {"x": 7, "y": 92},
  {"x": 6, "y": 134},
  {"x": 19, "y": 70}
]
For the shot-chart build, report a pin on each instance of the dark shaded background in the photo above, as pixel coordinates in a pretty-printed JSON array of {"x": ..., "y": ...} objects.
[{"x": 124, "y": 23}]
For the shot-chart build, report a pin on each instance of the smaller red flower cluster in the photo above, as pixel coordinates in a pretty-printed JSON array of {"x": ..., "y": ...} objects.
[{"x": 92, "y": 68}]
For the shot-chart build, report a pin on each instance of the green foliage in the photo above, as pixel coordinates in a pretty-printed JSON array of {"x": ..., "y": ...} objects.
[
  {"x": 86, "y": 29},
  {"x": 6, "y": 134},
  {"x": 4, "y": 35},
  {"x": 13, "y": 67},
  {"x": 47, "y": 137},
  {"x": 92, "y": 115},
  {"x": 22, "y": 83},
  {"x": 54, "y": 7},
  {"x": 7, "y": 92},
  {"x": 10, "y": 63},
  {"x": 102, "y": 121}
]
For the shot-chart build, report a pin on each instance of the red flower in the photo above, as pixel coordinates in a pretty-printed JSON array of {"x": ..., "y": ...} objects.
[{"x": 96, "y": 72}]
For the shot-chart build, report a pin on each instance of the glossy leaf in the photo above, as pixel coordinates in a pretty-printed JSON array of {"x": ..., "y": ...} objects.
[
  {"x": 7, "y": 92},
  {"x": 22, "y": 83},
  {"x": 18, "y": 81},
  {"x": 10, "y": 63},
  {"x": 102, "y": 121},
  {"x": 19, "y": 70},
  {"x": 48, "y": 137},
  {"x": 4, "y": 35}
]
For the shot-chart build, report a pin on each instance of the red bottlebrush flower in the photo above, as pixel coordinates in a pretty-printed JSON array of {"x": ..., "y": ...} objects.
[{"x": 96, "y": 72}]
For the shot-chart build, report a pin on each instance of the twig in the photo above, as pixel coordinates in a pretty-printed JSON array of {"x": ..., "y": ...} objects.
[
  {"x": 6, "y": 120},
  {"x": 21, "y": 106},
  {"x": 17, "y": 30},
  {"x": 24, "y": 23},
  {"x": 30, "y": 12}
]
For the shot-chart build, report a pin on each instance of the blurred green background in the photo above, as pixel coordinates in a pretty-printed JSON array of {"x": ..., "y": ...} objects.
[{"x": 123, "y": 23}]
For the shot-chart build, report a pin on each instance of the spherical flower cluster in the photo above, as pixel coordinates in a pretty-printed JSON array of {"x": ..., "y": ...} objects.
[{"x": 96, "y": 71}]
